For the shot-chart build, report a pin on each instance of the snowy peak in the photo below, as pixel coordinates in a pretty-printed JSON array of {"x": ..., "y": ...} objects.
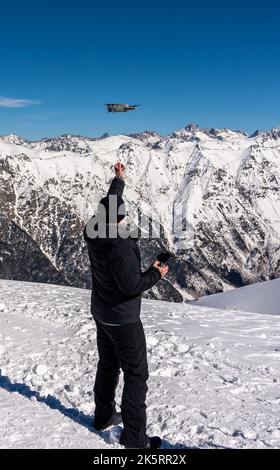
[
  {"x": 273, "y": 134},
  {"x": 224, "y": 133},
  {"x": 255, "y": 134},
  {"x": 194, "y": 133},
  {"x": 104, "y": 136},
  {"x": 192, "y": 128},
  {"x": 189, "y": 133},
  {"x": 12, "y": 139},
  {"x": 66, "y": 142},
  {"x": 263, "y": 136},
  {"x": 147, "y": 136}
]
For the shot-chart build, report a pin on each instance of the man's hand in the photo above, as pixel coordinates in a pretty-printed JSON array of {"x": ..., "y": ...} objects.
[
  {"x": 162, "y": 269},
  {"x": 119, "y": 169}
]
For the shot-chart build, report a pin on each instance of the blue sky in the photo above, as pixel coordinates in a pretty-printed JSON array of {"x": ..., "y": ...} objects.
[{"x": 213, "y": 63}]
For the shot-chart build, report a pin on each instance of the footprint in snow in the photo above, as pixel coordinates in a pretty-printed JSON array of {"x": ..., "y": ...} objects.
[
  {"x": 166, "y": 372},
  {"x": 229, "y": 378},
  {"x": 151, "y": 341},
  {"x": 40, "y": 369},
  {"x": 181, "y": 348}
]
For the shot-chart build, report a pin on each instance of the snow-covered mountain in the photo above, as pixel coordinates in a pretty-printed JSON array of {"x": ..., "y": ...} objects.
[{"x": 227, "y": 181}]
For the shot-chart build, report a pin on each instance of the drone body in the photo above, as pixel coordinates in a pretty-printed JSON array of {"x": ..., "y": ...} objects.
[{"x": 120, "y": 108}]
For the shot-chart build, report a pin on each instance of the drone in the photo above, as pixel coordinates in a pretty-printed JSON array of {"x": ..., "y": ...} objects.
[{"x": 120, "y": 108}]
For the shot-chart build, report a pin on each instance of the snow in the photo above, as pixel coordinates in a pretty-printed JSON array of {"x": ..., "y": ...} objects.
[
  {"x": 228, "y": 184},
  {"x": 214, "y": 374},
  {"x": 145, "y": 165},
  {"x": 29, "y": 423},
  {"x": 262, "y": 297}
]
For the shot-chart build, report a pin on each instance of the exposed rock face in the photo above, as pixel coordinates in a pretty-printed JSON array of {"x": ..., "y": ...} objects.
[
  {"x": 23, "y": 260},
  {"x": 226, "y": 182}
]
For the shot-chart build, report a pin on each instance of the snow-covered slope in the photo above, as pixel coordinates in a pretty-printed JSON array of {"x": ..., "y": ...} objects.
[
  {"x": 227, "y": 182},
  {"x": 262, "y": 297},
  {"x": 214, "y": 375}
]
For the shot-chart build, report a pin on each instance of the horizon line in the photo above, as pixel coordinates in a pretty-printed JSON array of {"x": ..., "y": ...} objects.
[{"x": 107, "y": 134}]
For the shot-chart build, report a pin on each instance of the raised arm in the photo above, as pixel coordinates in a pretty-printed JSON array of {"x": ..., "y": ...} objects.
[{"x": 117, "y": 184}]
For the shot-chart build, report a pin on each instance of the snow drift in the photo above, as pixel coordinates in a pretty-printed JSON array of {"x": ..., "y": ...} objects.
[{"x": 262, "y": 297}]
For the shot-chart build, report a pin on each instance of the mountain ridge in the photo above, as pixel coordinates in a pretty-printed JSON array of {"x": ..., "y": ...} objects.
[
  {"x": 227, "y": 181},
  {"x": 190, "y": 127}
]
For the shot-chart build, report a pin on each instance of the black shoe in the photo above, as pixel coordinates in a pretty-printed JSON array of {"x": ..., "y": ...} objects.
[
  {"x": 113, "y": 421},
  {"x": 153, "y": 443}
]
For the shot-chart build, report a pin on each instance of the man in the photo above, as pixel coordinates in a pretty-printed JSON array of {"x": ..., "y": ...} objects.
[{"x": 117, "y": 286}]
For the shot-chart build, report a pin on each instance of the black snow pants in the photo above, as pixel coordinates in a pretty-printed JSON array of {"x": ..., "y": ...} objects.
[{"x": 122, "y": 347}]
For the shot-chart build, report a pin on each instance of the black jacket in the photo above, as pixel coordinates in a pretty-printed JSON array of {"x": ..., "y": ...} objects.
[{"x": 117, "y": 280}]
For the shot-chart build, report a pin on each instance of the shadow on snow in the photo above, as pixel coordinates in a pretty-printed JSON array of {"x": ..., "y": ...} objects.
[{"x": 71, "y": 413}]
